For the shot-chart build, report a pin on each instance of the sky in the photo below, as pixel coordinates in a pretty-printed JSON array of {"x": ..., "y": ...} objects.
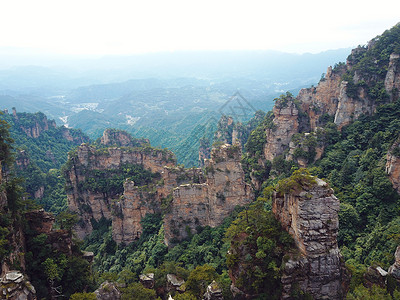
[{"x": 119, "y": 27}]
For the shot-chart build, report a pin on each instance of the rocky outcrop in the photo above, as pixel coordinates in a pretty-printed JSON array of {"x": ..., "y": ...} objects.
[
  {"x": 130, "y": 209},
  {"x": 92, "y": 204},
  {"x": 147, "y": 280},
  {"x": 38, "y": 124},
  {"x": 349, "y": 109},
  {"x": 14, "y": 286},
  {"x": 310, "y": 215},
  {"x": 40, "y": 221},
  {"x": 22, "y": 160},
  {"x": 208, "y": 203},
  {"x": 394, "y": 269},
  {"x": 120, "y": 138},
  {"x": 392, "y": 79},
  {"x": 204, "y": 151},
  {"x": 108, "y": 291},
  {"x": 187, "y": 196},
  {"x": 286, "y": 124},
  {"x": 393, "y": 164},
  {"x": 174, "y": 283},
  {"x": 213, "y": 292},
  {"x": 77, "y": 139}
]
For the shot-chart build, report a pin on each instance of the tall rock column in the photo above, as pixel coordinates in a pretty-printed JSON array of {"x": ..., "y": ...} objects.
[
  {"x": 393, "y": 164},
  {"x": 209, "y": 203},
  {"x": 311, "y": 217},
  {"x": 286, "y": 124}
]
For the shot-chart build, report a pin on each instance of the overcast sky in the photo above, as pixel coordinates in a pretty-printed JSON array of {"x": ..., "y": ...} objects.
[{"x": 125, "y": 27}]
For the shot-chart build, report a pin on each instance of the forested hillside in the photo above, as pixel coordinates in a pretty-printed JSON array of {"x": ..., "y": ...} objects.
[{"x": 301, "y": 202}]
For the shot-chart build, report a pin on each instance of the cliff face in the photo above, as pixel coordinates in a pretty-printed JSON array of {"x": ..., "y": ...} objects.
[
  {"x": 393, "y": 164},
  {"x": 128, "y": 212},
  {"x": 392, "y": 79},
  {"x": 208, "y": 203},
  {"x": 96, "y": 204},
  {"x": 120, "y": 138},
  {"x": 286, "y": 124},
  {"x": 311, "y": 217},
  {"x": 187, "y": 197},
  {"x": 36, "y": 125},
  {"x": 324, "y": 98},
  {"x": 369, "y": 78}
]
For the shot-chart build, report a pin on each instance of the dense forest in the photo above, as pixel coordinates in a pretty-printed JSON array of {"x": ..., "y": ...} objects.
[{"x": 353, "y": 163}]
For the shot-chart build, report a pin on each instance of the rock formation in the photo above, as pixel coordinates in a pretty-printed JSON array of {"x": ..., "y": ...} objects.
[
  {"x": 204, "y": 151},
  {"x": 22, "y": 160},
  {"x": 147, "y": 280},
  {"x": 108, "y": 291},
  {"x": 209, "y": 203},
  {"x": 189, "y": 198},
  {"x": 286, "y": 124},
  {"x": 310, "y": 215},
  {"x": 213, "y": 292},
  {"x": 392, "y": 79},
  {"x": 128, "y": 211},
  {"x": 36, "y": 126},
  {"x": 14, "y": 286},
  {"x": 393, "y": 164},
  {"x": 120, "y": 138},
  {"x": 394, "y": 269},
  {"x": 96, "y": 204}
]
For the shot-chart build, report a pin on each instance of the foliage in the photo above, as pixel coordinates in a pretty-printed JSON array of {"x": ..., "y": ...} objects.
[
  {"x": 283, "y": 100},
  {"x": 200, "y": 278},
  {"x": 50, "y": 149},
  {"x": 49, "y": 269},
  {"x": 300, "y": 179},
  {"x": 111, "y": 181},
  {"x": 373, "y": 293},
  {"x": 257, "y": 245},
  {"x": 83, "y": 296},
  {"x": 136, "y": 291}
]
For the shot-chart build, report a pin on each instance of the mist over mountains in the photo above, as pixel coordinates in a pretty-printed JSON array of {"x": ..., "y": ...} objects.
[{"x": 153, "y": 95}]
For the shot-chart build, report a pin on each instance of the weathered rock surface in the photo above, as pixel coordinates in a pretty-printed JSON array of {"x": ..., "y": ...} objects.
[
  {"x": 191, "y": 198},
  {"x": 311, "y": 217},
  {"x": 375, "y": 276},
  {"x": 14, "y": 286},
  {"x": 174, "y": 283},
  {"x": 333, "y": 99},
  {"x": 128, "y": 212},
  {"x": 120, "y": 138},
  {"x": 392, "y": 79},
  {"x": 40, "y": 125},
  {"x": 213, "y": 292},
  {"x": 108, "y": 291},
  {"x": 209, "y": 203},
  {"x": 22, "y": 160},
  {"x": 393, "y": 164},
  {"x": 323, "y": 99},
  {"x": 286, "y": 124},
  {"x": 394, "y": 269},
  {"x": 147, "y": 280},
  {"x": 90, "y": 204},
  {"x": 40, "y": 221}
]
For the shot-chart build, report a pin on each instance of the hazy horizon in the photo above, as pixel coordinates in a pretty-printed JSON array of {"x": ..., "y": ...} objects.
[{"x": 102, "y": 28}]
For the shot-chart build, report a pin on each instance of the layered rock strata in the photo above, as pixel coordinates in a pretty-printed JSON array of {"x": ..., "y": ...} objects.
[
  {"x": 393, "y": 164},
  {"x": 188, "y": 198},
  {"x": 96, "y": 205},
  {"x": 311, "y": 217},
  {"x": 208, "y": 203},
  {"x": 14, "y": 286}
]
